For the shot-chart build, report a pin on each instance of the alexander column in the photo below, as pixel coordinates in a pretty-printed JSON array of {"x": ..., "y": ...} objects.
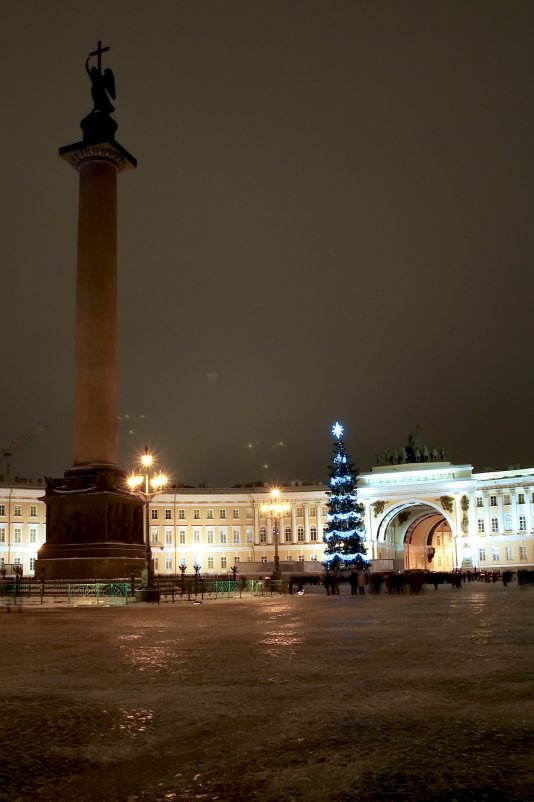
[{"x": 94, "y": 524}]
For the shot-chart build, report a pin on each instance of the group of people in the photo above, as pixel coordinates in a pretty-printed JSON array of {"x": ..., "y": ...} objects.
[{"x": 362, "y": 582}]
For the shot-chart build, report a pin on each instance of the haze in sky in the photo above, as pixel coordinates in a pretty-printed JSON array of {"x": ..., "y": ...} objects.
[{"x": 330, "y": 220}]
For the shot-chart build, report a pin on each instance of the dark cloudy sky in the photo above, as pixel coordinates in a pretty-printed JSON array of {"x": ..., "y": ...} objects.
[{"x": 331, "y": 219}]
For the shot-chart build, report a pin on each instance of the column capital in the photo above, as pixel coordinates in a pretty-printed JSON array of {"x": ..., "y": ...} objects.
[{"x": 107, "y": 151}]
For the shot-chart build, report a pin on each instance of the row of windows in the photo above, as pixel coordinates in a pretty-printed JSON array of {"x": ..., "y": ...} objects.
[
  {"x": 496, "y": 554},
  {"x": 288, "y": 534},
  {"x": 494, "y": 523},
  {"x": 507, "y": 500},
  {"x": 17, "y": 510},
  {"x": 236, "y": 513},
  {"x": 17, "y": 534},
  {"x": 168, "y": 563}
]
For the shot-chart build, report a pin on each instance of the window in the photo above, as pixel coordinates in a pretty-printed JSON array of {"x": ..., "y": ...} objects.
[
  {"x": 509, "y": 553},
  {"x": 507, "y": 500},
  {"x": 2, "y": 534},
  {"x": 495, "y": 555},
  {"x": 32, "y": 563},
  {"x": 288, "y": 534},
  {"x": 520, "y": 498},
  {"x": 481, "y": 525},
  {"x": 235, "y": 538},
  {"x": 249, "y": 512},
  {"x": 263, "y": 535},
  {"x": 288, "y": 557},
  {"x": 222, "y": 535},
  {"x": 249, "y": 536},
  {"x": 168, "y": 536},
  {"x": 264, "y": 559},
  {"x": 493, "y": 501},
  {"x": 2, "y": 509},
  {"x": 17, "y": 534},
  {"x": 210, "y": 562},
  {"x": 223, "y": 562},
  {"x": 482, "y": 555},
  {"x": 17, "y": 510},
  {"x": 33, "y": 510},
  {"x": 522, "y": 523},
  {"x": 196, "y": 535},
  {"x": 181, "y": 515},
  {"x": 300, "y": 534},
  {"x": 439, "y": 562},
  {"x": 301, "y": 558},
  {"x": 480, "y": 502},
  {"x": 168, "y": 515},
  {"x": 156, "y": 563},
  {"x": 438, "y": 540},
  {"x": 494, "y": 524},
  {"x": 312, "y": 512},
  {"x": 209, "y": 515},
  {"x": 235, "y": 512},
  {"x": 181, "y": 536},
  {"x": 522, "y": 552},
  {"x": 154, "y": 515},
  {"x": 314, "y": 558},
  {"x": 154, "y": 534},
  {"x": 168, "y": 563},
  {"x": 17, "y": 560},
  {"x": 507, "y": 522},
  {"x": 300, "y": 512},
  {"x": 236, "y": 558},
  {"x": 313, "y": 533},
  {"x": 33, "y": 534},
  {"x": 222, "y": 514},
  {"x": 210, "y": 536},
  {"x": 196, "y": 514}
]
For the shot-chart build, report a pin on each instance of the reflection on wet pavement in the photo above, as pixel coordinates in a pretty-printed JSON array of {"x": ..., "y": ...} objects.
[{"x": 134, "y": 722}]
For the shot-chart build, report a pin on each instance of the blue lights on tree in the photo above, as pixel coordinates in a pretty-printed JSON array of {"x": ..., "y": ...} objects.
[{"x": 344, "y": 531}]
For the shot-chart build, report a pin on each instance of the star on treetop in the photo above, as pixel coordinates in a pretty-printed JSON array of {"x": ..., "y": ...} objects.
[{"x": 337, "y": 430}]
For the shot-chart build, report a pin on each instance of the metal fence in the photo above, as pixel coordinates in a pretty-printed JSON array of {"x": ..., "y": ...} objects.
[{"x": 121, "y": 591}]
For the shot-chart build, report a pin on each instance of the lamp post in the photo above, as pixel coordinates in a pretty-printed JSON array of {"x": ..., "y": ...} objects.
[
  {"x": 146, "y": 483},
  {"x": 275, "y": 509}
]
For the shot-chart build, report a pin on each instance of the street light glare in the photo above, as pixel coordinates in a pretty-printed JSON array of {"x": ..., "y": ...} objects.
[
  {"x": 146, "y": 460},
  {"x": 275, "y": 492}
]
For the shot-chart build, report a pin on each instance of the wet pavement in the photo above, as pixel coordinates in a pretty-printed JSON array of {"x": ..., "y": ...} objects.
[{"x": 276, "y": 699}]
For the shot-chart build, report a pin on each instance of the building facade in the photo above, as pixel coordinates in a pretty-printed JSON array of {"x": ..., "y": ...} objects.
[{"x": 435, "y": 516}]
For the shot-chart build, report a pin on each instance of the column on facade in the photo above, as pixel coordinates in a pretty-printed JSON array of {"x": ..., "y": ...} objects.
[
  {"x": 486, "y": 513},
  {"x": 528, "y": 507},
  {"x": 319, "y": 522},
  {"x": 256, "y": 525},
  {"x": 500, "y": 512},
  {"x": 293, "y": 524},
  {"x": 306, "y": 524},
  {"x": 513, "y": 498}
]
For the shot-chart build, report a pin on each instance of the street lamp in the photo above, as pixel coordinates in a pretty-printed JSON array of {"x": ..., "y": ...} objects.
[
  {"x": 276, "y": 509},
  {"x": 147, "y": 483}
]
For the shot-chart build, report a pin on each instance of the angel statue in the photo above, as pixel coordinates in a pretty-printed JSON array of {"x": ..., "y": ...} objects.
[{"x": 102, "y": 85}]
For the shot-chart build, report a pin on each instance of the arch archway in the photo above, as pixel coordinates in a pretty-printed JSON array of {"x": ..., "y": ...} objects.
[{"x": 417, "y": 535}]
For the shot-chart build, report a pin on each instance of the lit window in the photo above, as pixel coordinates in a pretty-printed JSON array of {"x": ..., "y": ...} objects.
[
  {"x": 263, "y": 535},
  {"x": 495, "y": 555},
  {"x": 210, "y": 562},
  {"x": 494, "y": 524},
  {"x": 288, "y": 534},
  {"x": 482, "y": 555},
  {"x": 481, "y": 525},
  {"x": 313, "y": 533},
  {"x": 33, "y": 510},
  {"x": 235, "y": 512},
  {"x": 168, "y": 563},
  {"x": 154, "y": 534},
  {"x": 196, "y": 535},
  {"x": 168, "y": 536},
  {"x": 210, "y": 536},
  {"x": 300, "y": 534},
  {"x": 250, "y": 538},
  {"x": 17, "y": 534},
  {"x": 522, "y": 523},
  {"x": 33, "y": 534},
  {"x": 168, "y": 515},
  {"x": 222, "y": 535},
  {"x": 236, "y": 536},
  {"x": 154, "y": 515}
]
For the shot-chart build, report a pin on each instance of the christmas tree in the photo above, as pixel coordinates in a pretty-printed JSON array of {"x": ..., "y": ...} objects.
[{"x": 343, "y": 533}]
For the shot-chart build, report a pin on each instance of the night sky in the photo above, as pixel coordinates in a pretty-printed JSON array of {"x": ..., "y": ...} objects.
[{"x": 331, "y": 220}]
